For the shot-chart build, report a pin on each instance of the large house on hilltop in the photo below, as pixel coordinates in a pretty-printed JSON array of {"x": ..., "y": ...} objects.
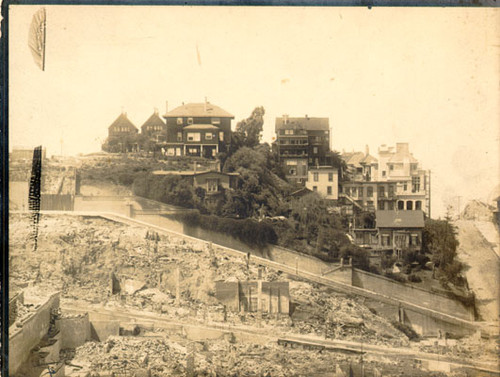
[
  {"x": 394, "y": 181},
  {"x": 197, "y": 129},
  {"x": 301, "y": 143}
]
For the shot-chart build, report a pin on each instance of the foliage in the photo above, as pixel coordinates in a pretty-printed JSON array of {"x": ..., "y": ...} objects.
[
  {"x": 397, "y": 277},
  {"x": 249, "y": 231},
  {"x": 251, "y": 127},
  {"x": 258, "y": 191},
  {"x": 414, "y": 278},
  {"x": 170, "y": 189},
  {"x": 387, "y": 261},
  {"x": 439, "y": 239}
]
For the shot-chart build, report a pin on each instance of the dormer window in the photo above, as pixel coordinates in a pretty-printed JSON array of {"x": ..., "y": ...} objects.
[
  {"x": 190, "y": 120},
  {"x": 179, "y": 121},
  {"x": 215, "y": 120}
]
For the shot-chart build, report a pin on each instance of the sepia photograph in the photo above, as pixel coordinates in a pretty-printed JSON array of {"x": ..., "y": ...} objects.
[{"x": 253, "y": 191}]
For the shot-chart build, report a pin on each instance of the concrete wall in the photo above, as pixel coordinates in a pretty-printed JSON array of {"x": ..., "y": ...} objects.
[
  {"x": 101, "y": 203},
  {"x": 53, "y": 202},
  {"x": 294, "y": 259},
  {"x": 400, "y": 291},
  {"x": 227, "y": 294},
  {"x": 34, "y": 328},
  {"x": 74, "y": 330},
  {"x": 101, "y": 330}
]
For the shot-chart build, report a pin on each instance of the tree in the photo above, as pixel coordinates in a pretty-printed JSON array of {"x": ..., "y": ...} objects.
[
  {"x": 439, "y": 239},
  {"x": 257, "y": 187},
  {"x": 251, "y": 127}
]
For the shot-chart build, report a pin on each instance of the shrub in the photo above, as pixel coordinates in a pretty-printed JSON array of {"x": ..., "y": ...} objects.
[
  {"x": 396, "y": 277},
  {"x": 414, "y": 278},
  {"x": 248, "y": 231}
]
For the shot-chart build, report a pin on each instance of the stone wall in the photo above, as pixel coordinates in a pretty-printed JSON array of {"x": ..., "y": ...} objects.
[{"x": 404, "y": 292}]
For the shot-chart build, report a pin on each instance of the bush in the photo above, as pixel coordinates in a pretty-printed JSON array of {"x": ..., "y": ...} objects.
[
  {"x": 414, "y": 278},
  {"x": 396, "y": 277},
  {"x": 251, "y": 232}
]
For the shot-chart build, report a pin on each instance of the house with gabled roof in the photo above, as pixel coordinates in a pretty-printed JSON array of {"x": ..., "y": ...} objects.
[
  {"x": 197, "y": 129},
  {"x": 154, "y": 126},
  {"x": 394, "y": 231},
  {"x": 122, "y": 126}
]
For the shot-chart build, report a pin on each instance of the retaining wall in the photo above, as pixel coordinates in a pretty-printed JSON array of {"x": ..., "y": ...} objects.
[
  {"x": 400, "y": 291},
  {"x": 34, "y": 328}
]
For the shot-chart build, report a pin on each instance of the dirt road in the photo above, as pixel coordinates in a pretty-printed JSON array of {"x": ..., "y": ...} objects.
[{"x": 483, "y": 270}]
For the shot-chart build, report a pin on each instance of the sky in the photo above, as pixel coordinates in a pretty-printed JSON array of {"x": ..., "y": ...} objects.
[{"x": 426, "y": 76}]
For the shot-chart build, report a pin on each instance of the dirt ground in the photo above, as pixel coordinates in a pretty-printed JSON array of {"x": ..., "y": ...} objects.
[{"x": 483, "y": 270}]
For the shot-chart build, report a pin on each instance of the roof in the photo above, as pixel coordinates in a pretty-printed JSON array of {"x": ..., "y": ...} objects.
[
  {"x": 201, "y": 127},
  {"x": 153, "y": 120},
  {"x": 307, "y": 123},
  {"x": 188, "y": 173},
  {"x": 369, "y": 159},
  {"x": 301, "y": 192},
  {"x": 122, "y": 121},
  {"x": 204, "y": 109},
  {"x": 399, "y": 219},
  {"x": 353, "y": 158}
]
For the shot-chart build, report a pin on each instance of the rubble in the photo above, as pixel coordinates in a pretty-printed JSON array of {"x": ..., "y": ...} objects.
[{"x": 95, "y": 262}]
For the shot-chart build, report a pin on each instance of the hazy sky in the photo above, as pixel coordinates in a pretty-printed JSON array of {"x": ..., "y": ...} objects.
[{"x": 427, "y": 76}]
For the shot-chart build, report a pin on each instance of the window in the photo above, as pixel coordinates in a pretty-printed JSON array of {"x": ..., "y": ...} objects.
[
  {"x": 415, "y": 240},
  {"x": 405, "y": 186},
  {"x": 369, "y": 191},
  {"x": 360, "y": 190},
  {"x": 193, "y": 150},
  {"x": 391, "y": 190},
  {"x": 179, "y": 120},
  {"x": 330, "y": 177},
  {"x": 381, "y": 191},
  {"x": 315, "y": 188},
  {"x": 170, "y": 151},
  {"x": 401, "y": 205},
  {"x": 347, "y": 191},
  {"x": 381, "y": 205},
  {"x": 391, "y": 167},
  {"x": 221, "y": 136},
  {"x": 386, "y": 240},
  {"x": 390, "y": 206},
  {"x": 212, "y": 185},
  {"x": 383, "y": 173},
  {"x": 288, "y": 132},
  {"x": 215, "y": 120},
  {"x": 315, "y": 150},
  {"x": 315, "y": 177},
  {"x": 193, "y": 136},
  {"x": 190, "y": 120},
  {"x": 179, "y": 136},
  {"x": 418, "y": 205},
  {"x": 208, "y": 136},
  {"x": 409, "y": 205},
  {"x": 354, "y": 191},
  {"x": 329, "y": 190},
  {"x": 415, "y": 184}
]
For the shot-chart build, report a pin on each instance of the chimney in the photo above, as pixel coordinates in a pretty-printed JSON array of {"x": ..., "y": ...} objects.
[
  {"x": 367, "y": 150},
  {"x": 156, "y": 110}
]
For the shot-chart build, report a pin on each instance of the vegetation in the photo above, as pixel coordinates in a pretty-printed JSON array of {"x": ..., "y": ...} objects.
[
  {"x": 407, "y": 330},
  {"x": 249, "y": 231},
  {"x": 439, "y": 239}
]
